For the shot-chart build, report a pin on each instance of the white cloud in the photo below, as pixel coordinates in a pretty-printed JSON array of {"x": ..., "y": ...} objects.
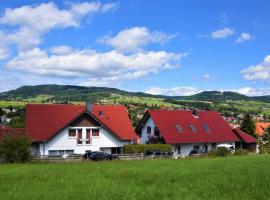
[
  {"x": 3, "y": 54},
  {"x": 29, "y": 23},
  {"x": 258, "y": 72},
  {"x": 187, "y": 91},
  {"x": 133, "y": 39},
  {"x": 248, "y": 91},
  {"x": 61, "y": 50},
  {"x": 244, "y": 37},
  {"x": 107, "y": 67},
  {"x": 222, "y": 33},
  {"x": 175, "y": 91}
]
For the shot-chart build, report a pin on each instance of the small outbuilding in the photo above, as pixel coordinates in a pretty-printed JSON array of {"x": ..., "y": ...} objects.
[{"x": 246, "y": 141}]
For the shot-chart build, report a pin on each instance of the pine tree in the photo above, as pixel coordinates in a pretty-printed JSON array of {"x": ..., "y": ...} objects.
[{"x": 248, "y": 125}]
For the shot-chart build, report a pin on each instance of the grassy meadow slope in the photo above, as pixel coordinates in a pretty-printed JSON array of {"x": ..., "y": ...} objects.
[{"x": 246, "y": 177}]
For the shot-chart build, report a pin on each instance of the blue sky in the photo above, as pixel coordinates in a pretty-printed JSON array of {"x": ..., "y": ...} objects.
[{"x": 160, "y": 47}]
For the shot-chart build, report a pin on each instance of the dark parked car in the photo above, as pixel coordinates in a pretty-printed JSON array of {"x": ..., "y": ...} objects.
[
  {"x": 157, "y": 153},
  {"x": 98, "y": 155},
  {"x": 194, "y": 152}
]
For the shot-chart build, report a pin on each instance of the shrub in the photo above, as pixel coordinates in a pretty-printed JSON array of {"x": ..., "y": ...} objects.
[
  {"x": 14, "y": 148},
  {"x": 142, "y": 148},
  {"x": 222, "y": 151},
  {"x": 241, "y": 152}
]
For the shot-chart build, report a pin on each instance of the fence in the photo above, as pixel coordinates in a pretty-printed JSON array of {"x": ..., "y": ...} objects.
[{"x": 79, "y": 158}]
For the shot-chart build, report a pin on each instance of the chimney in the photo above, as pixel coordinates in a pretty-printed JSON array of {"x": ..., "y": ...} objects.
[{"x": 89, "y": 107}]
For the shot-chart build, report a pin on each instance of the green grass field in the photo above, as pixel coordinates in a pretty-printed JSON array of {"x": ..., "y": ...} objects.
[{"x": 246, "y": 177}]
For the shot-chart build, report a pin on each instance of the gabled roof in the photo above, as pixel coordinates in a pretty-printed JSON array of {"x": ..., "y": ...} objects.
[
  {"x": 260, "y": 128},
  {"x": 8, "y": 130},
  {"x": 44, "y": 121},
  {"x": 244, "y": 136},
  {"x": 166, "y": 120}
]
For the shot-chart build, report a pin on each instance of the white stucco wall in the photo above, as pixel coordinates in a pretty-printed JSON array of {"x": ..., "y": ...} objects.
[
  {"x": 144, "y": 135},
  {"x": 186, "y": 148},
  {"x": 63, "y": 142}
]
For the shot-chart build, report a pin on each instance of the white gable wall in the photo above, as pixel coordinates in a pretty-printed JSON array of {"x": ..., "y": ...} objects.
[
  {"x": 63, "y": 142},
  {"x": 144, "y": 135}
]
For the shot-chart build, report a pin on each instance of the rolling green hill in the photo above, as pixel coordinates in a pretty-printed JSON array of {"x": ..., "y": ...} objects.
[{"x": 81, "y": 93}]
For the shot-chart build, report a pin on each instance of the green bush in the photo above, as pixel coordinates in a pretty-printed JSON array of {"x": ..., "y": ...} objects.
[
  {"x": 222, "y": 151},
  {"x": 14, "y": 149},
  {"x": 142, "y": 148},
  {"x": 241, "y": 152}
]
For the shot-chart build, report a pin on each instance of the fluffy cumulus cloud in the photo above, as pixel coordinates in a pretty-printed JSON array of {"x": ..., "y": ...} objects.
[
  {"x": 258, "y": 72},
  {"x": 174, "y": 91},
  {"x": 222, "y": 33},
  {"x": 108, "y": 67},
  {"x": 28, "y": 23},
  {"x": 133, "y": 39},
  {"x": 244, "y": 37},
  {"x": 3, "y": 54}
]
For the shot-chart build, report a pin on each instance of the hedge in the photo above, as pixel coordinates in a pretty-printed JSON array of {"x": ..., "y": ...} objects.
[{"x": 142, "y": 148}]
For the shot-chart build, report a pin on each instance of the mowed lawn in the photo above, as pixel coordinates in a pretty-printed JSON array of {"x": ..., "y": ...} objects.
[{"x": 246, "y": 177}]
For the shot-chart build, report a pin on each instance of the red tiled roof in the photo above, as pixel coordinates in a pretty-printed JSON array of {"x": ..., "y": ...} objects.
[
  {"x": 7, "y": 130},
  {"x": 244, "y": 136},
  {"x": 219, "y": 130},
  {"x": 43, "y": 121},
  {"x": 260, "y": 128}
]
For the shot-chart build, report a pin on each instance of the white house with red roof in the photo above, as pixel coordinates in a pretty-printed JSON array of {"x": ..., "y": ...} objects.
[
  {"x": 187, "y": 130},
  {"x": 58, "y": 129}
]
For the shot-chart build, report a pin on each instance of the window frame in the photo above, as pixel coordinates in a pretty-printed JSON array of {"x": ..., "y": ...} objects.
[
  {"x": 179, "y": 128},
  {"x": 148, "y": 128},
  {"x": 97, "y": 130},
  {"x": 193, "y": 128},
  {"x": 72, "y": 129}
]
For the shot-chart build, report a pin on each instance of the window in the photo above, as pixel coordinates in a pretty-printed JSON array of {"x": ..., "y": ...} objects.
[
  {"x": 79, "y": 137},
  {"x": 60, "y": 152},
  {"x": 100, "y": 113},
  {"x": 148, "y": 129},
  {"x": 192, "y": 127},
  {"x": 52, "y": 153},
  {"x": 178, "y": 128},
  {"x": 116, "y": 150},
  {"x": 196, "y": 147},
  {"x": 72, "y": 133},
  {"x": 206, "y": 128},
  {"x": 88, "y": 133},
  {"x": 95, "y": 132}
]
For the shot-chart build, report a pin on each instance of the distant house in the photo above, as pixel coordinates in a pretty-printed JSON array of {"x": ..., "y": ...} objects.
[
  {"x": 261, "y": 127},
  {"x": 186, "y": 130},
  {"x": 58, "y": 129}
]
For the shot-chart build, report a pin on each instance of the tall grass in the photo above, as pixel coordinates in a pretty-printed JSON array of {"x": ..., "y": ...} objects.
[{"x": 246, "y": 177}]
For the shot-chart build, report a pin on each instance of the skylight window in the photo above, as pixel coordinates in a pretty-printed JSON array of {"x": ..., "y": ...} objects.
[
  {"x": 206, "y": 128},
  {"x": 192, "y": 127},
  {"x": 179, "y": 128},
  {"x": 100, "y": 113}
]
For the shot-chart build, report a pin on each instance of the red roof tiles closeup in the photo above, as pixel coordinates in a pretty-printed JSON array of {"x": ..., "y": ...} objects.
[
  {"x": 43, "y": 121},
  {"x": 209, "y": 125}
]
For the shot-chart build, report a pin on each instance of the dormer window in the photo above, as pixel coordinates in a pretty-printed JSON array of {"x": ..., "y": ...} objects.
[
  {"x": 179, "y": 128},
  {"x": 100, "y": 113},
  {"x": 192, "y": 127}
]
